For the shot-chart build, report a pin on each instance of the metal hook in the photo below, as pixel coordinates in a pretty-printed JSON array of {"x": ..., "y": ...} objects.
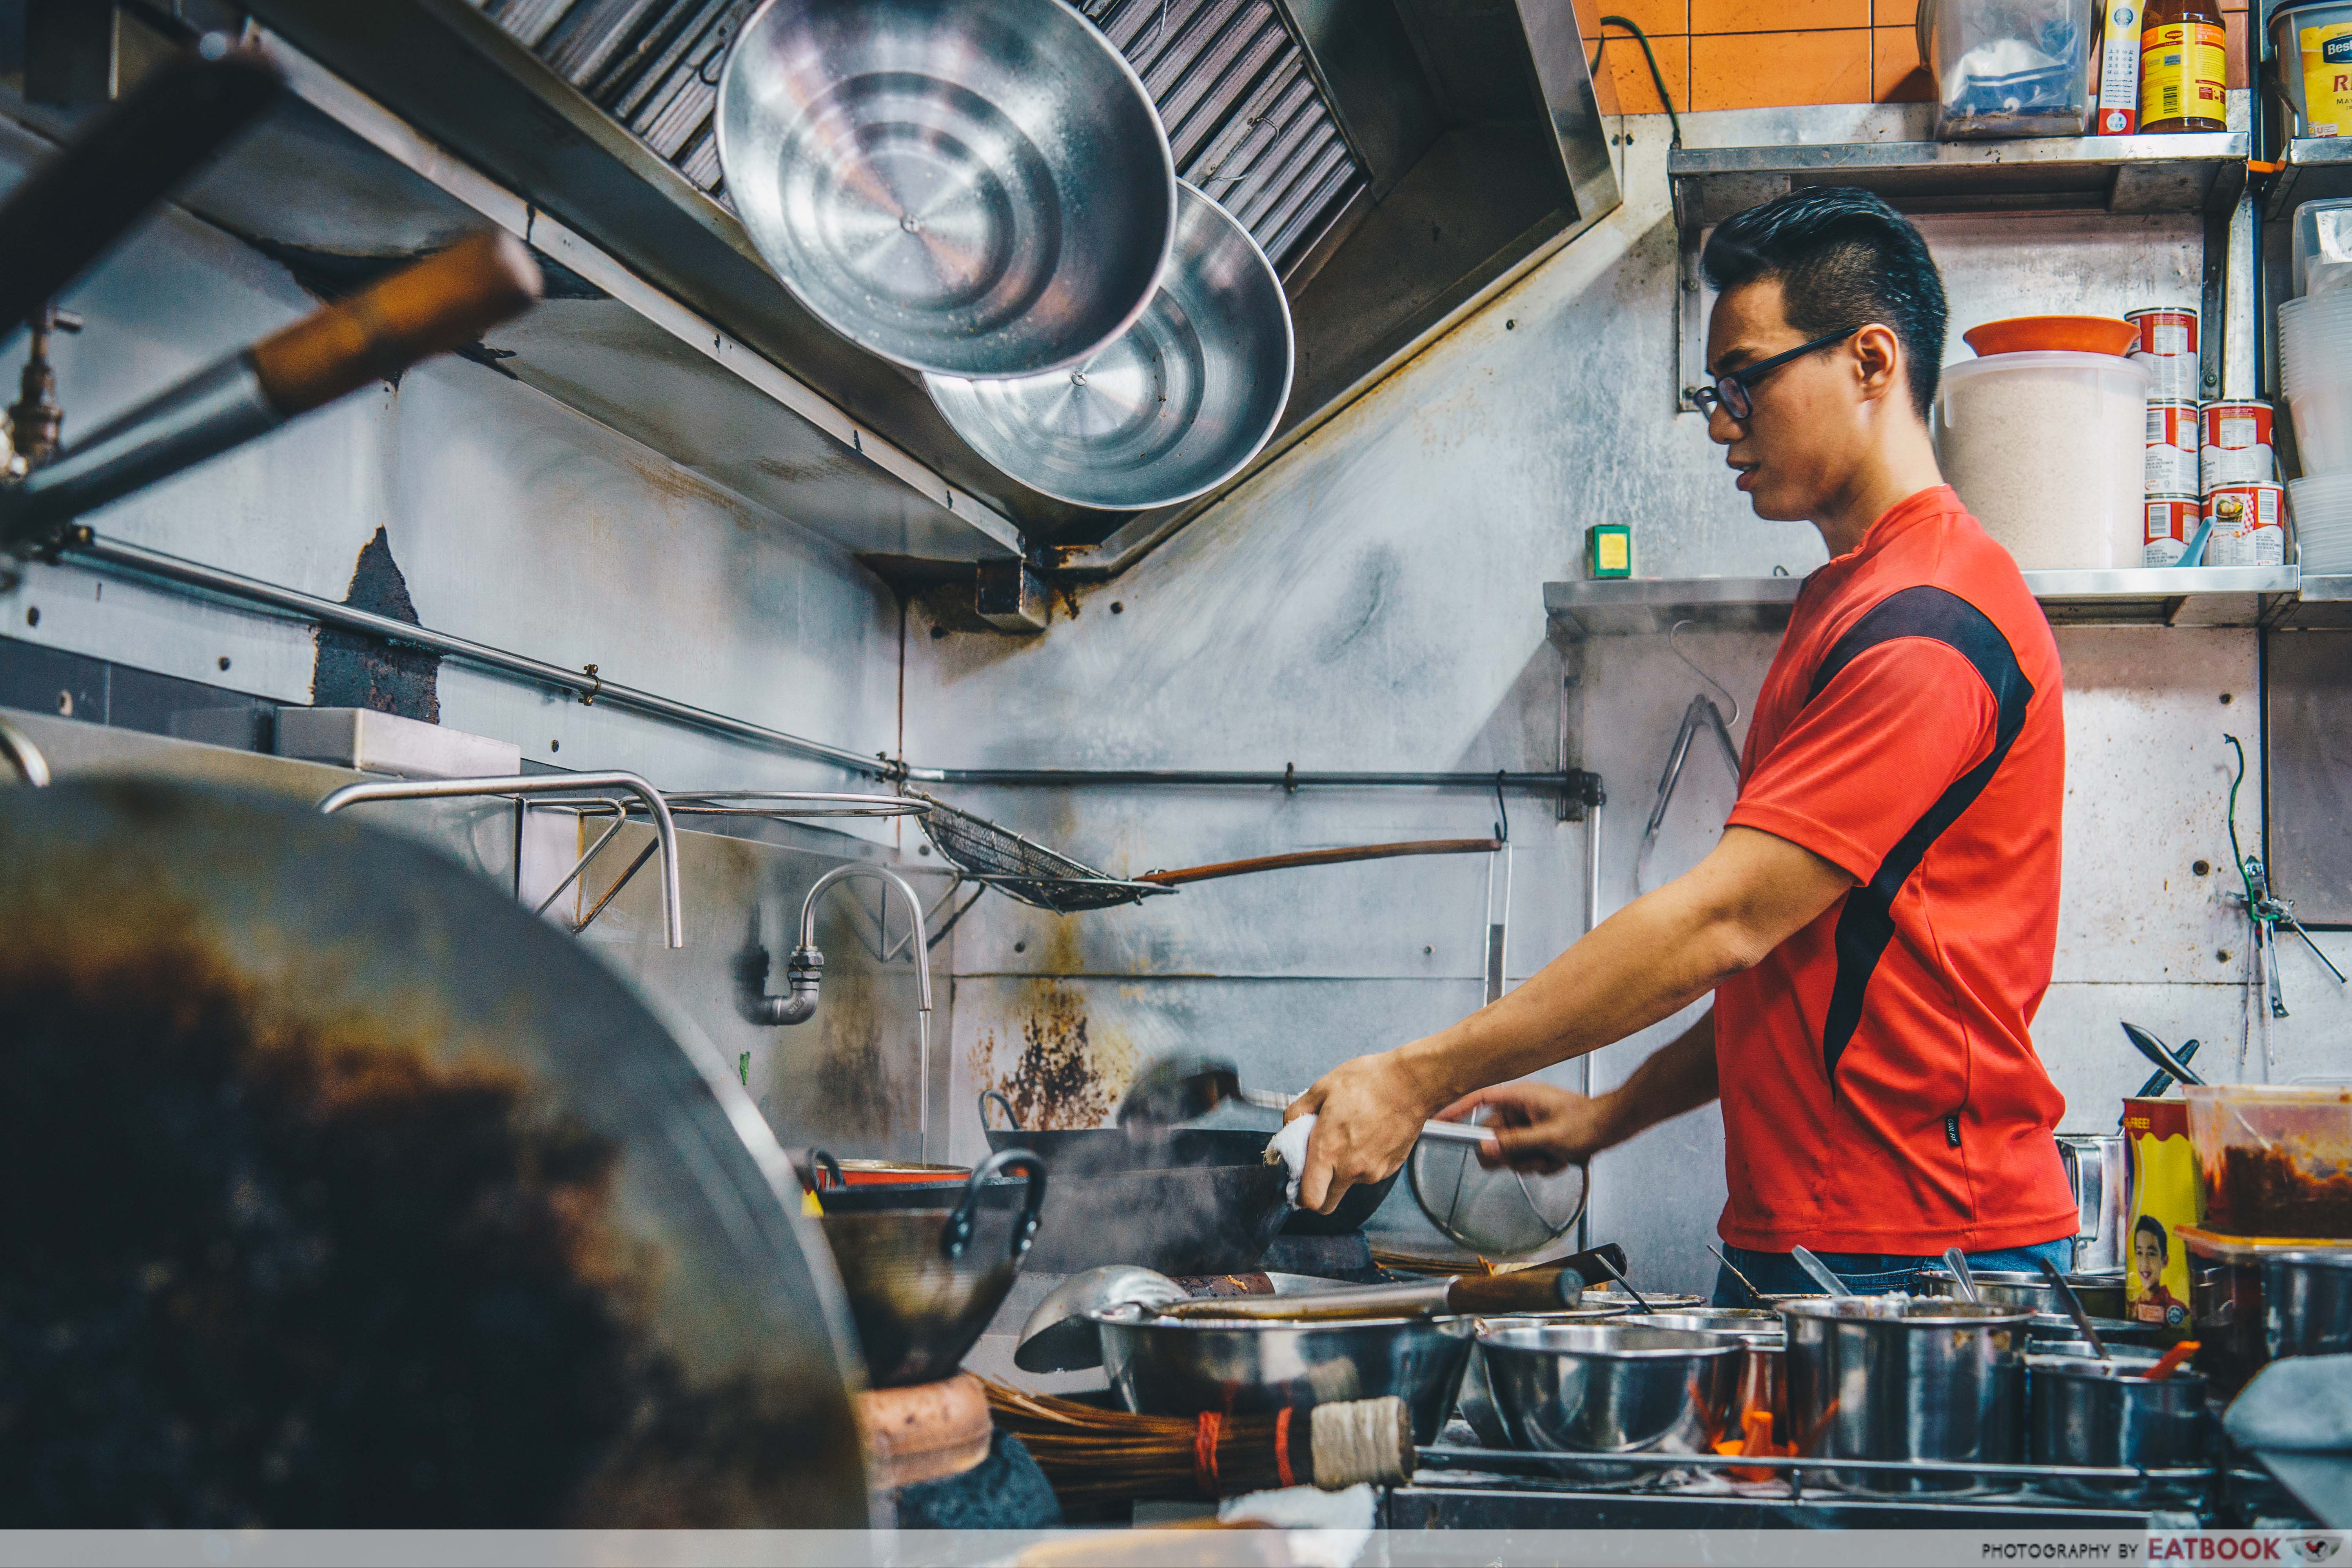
[
  {"x": 1734, "y": 717},
  {"x": 1503, "y": 820}
]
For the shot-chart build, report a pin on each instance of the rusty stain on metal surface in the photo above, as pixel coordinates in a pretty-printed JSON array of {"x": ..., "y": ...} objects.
[{"x": 1060, "y": 1076}]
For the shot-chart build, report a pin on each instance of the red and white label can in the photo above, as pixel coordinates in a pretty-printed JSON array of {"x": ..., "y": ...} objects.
[
  {"x": 2249, "y": 525},
  {"x": 2236, "y": 444},
  {"x": 2172, "y": 460},
  {"x": 2171, "y": 523},
  {"x": 2166, "y": 347}
]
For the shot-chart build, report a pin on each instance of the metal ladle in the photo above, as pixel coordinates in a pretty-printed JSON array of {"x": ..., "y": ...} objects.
[
  {"x": 1958, "y": 1262},
  {"x": 2073, "y": 1305},
  {"x": 1745, "y": 1283},
  {"x": 1823, "y": 1275},
  {"x": 1619, "y": 1275}
]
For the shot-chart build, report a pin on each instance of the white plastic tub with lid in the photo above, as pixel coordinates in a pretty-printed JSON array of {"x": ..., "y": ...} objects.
[{"x": 2048, "y": 451}]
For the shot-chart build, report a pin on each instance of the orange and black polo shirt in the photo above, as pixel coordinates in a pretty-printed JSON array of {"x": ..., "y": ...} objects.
[{"x": 1880, "y": 1093}]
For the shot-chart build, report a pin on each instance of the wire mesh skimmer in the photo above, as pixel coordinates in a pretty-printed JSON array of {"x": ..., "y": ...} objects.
[
  {"x": 1021, "y": 867},
  {"x": 1027, "y": 871}
]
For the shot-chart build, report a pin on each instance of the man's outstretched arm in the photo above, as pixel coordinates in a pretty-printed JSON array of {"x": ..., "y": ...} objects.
[{"x": 1650, "y": 959}]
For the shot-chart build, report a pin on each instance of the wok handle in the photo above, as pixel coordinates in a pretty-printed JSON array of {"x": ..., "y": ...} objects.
[
  {"x": 439, "y": 304},
  {"x": 1522, "y": 1290},
  {"x": 1011, "y": 1121},
  {"x": 957, "y": 1238},
  {"x": 821, "y": 1166},
  {"x": 1321, "y": 858}
]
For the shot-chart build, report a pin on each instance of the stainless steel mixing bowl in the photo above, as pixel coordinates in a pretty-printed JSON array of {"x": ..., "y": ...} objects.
[
  {"x": 1611, "y": 1388},
  {"x": 966, "y": 189},
  {"x": 1182, "y": 1366},
  {"x": 1176, "y": 406}
]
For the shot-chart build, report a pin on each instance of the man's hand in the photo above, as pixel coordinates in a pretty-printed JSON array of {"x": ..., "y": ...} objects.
[
  {"x": 1369, "y": 1114},
  {"x": 1539, "y": 1127}
]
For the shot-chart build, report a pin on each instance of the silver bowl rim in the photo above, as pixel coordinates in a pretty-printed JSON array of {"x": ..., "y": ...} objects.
[
  {"x": 1134, "y": 314},
  {"x": 2311, "y": 1257},
  {"x": 2121, "y": 1366},
  {"x": 1942, "y": 1312},
  {"x": 1133, "y": 1316},
  {"x": 1282, "y": 405},
  {"x": 1696, "y": 1343},
  {"x": 2038, "y": 1280}
]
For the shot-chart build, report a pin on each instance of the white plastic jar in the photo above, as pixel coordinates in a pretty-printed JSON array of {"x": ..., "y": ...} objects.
[{"x": 2049, "y": 450}]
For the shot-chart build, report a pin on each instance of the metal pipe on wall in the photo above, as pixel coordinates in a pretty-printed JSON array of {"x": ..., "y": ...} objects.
[
  {"x": 87, "y": 545},
  {"x": 1572, "y": 785}
]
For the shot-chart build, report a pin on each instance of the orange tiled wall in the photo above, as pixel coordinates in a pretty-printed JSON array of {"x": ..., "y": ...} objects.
[{"x": 1755, "y": 54}]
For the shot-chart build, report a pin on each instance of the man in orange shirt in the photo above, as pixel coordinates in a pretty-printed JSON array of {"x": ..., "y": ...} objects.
[{"x": 1878, "y": 923}]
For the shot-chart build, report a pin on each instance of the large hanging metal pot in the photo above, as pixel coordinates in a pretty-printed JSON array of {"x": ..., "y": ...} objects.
[
  {"x": 1176, "y": 406},
  {"x": 924, "y": 1281},
  {"x": 357, "y": 936},
  {"x": 964, "y": 189}
]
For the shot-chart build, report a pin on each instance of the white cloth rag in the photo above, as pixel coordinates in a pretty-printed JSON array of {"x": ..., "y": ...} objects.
[{"x": 1290, "y": 1145}]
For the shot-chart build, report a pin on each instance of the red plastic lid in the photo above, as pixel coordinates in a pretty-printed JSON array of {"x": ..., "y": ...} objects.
[{"x": 2067, "y": 334}]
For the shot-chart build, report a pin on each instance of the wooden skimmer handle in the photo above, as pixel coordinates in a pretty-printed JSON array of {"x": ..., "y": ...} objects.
[
  {"x": 1521, "y": 1290},
  {"x": 1322, "y": 858},
  {"x": 443, "y": 302}
]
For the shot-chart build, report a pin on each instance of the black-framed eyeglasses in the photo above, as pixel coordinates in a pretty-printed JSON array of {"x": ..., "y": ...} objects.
[{"x": 1732, "y": 388}]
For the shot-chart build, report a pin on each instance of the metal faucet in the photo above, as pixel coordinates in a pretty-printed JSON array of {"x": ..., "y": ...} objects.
[{"x": 806, "y": 969}]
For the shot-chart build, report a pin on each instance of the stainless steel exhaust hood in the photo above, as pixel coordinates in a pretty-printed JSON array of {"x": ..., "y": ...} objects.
[{"x": 1399, "y": 160}]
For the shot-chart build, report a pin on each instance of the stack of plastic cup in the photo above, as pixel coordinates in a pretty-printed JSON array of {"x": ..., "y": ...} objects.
[
  {"x": 2315, "y": 350},
  {"x": 2322, "y": 505}
]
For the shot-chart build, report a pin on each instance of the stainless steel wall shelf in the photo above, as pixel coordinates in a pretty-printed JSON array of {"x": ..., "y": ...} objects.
[
  {"x": 2311, "y": 168},
  {"x": 2170, "y": 595},
  {"x": 1892, "y": 153},
  {"x": 2198, "y": 174}
]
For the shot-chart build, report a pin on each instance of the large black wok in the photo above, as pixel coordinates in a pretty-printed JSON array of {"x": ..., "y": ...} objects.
[
  {"x": 924, "y": 1277},
  {"x": 1102, "y": 1153},
  {"x": 333, "y": 930},
  {"x": 1189, "y": 1219}
]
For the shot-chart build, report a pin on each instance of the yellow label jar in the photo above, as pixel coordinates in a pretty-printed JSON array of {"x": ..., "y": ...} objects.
[
  {"x": 2326, "y": 50},
  {"x": 2184, "y": 68}
]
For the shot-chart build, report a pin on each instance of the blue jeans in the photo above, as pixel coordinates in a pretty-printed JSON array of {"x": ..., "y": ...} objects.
[{"x": 1866, "y": 1273}]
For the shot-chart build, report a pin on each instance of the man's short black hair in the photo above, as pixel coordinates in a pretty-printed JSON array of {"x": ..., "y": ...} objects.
[
  {"x": 2155, "y": 1227},
  {"x": 1844, "y": 258}
]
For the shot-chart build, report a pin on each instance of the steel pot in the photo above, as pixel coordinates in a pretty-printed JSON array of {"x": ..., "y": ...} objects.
[
  {"x": 1890, "y": 1377},
  {"x": 2307, "y": 1303},
  {"x": 924, "y": 1282},
  {"x": 2084, "y": 1411},
  {"x": 1177, "y": 406},
  {"x": 2099, "y": 1169},
  {"x": 1764, "y": 1370},
  {"x": 1611, "y": 1388},
  {"x": 2102, "y": 1295},
  {"x": 1183, "y": 1366},
  {"x": 970, "y": 190}
]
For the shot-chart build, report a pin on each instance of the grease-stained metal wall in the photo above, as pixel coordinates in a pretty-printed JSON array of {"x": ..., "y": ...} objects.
[
  {"x": 1373, "y": 601},
  {"x": 519, "y": 523}
]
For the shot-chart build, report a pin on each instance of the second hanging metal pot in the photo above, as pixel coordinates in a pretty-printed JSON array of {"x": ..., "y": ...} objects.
[{"x": 1177, "y": 406}]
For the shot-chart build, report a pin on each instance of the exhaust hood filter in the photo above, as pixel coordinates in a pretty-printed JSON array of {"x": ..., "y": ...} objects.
[
  {"x": 975, "y": 190},
  {"x": 1174, "y": 407}
]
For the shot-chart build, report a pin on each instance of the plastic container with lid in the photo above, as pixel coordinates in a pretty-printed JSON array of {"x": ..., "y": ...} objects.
[
  {"x": 2008, "y": 68},
  {"x": 2312, "y": 41},
  {"x": 2323, "y": 244},
  {"x": 2049, "y": 451},
  {"x": 2275, "y": 1158}
]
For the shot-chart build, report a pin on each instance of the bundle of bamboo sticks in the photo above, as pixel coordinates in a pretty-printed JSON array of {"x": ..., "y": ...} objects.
[{"x": 1093, "y": 1455}]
